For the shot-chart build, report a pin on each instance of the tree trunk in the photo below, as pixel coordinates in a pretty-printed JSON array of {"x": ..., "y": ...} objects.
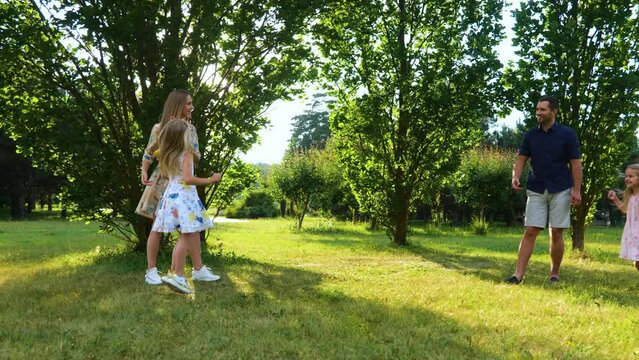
[
  {"x": 578, "y": 232},
  {"x": 49, "y": 205},
  {"x": 300, "y": 218},
  {"x": 203, "y": 239},
  {"x": 401, "y": 194},
  {"x": 578, "y": 223},
  {"x": 31, "y": 203},
  {"x": 17, "y": 206},
  {"x": 283, "y": 208},
  {"x": 356, "y": 215},
  {"x": 400, "y": 216}
]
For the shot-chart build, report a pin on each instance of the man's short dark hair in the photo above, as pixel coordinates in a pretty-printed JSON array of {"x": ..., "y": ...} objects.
[{"x": 552, "y": 101}]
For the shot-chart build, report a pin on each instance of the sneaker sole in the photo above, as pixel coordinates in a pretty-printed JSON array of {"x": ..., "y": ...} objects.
[
  {"x": 175, "y": 286},
  {"x": 152, "y": 282},
  {"x": 215, "y": 278}
]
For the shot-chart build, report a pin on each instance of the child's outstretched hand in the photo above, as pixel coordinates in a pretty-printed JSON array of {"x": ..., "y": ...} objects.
[
  {"x": 215, "y": 178},
  {"x": 612, "y": 195}
]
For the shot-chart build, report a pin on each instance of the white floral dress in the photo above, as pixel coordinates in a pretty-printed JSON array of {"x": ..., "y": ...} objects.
[{"x": 180, "y": 209}]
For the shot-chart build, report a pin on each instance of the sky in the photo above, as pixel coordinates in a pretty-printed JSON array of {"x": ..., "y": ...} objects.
[{"x": 274, "y": 138}]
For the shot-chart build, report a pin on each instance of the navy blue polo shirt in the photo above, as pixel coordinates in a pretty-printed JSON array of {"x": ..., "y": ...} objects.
[{"x": 550, "y": 153}]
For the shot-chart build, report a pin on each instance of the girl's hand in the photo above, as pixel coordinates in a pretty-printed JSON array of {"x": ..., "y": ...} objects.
[
  {"x": 215, "y": 178},
  {"x": 612, "y": 195}
]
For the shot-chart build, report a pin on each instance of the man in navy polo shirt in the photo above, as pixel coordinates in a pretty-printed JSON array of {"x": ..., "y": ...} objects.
[{"x": 554, "y": 184}]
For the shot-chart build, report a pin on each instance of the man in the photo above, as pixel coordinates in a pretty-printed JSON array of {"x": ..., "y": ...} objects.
[{"x": 552, "y": 186}]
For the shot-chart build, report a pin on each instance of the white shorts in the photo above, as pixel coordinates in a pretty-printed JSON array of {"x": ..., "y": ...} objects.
[{"x": 546, "y": 208}]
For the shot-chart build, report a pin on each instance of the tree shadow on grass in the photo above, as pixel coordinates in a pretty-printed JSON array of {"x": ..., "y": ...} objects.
[
  {"x": 584, "y": 284},
  {"x": 100, "y": 308}
]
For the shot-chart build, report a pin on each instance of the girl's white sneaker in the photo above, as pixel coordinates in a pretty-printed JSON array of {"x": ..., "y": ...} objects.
[
  {"x": 204, "y": 274},
  {"x": 179, "y": 284}
]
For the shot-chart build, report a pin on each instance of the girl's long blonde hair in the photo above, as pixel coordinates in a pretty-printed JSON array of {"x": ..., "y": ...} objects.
[
  {"x": 628, "y": 191},
  {"x": 173, "y": 143}
]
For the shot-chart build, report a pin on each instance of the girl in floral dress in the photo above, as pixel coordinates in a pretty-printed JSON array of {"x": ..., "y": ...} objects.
[
  {"x": 178, "y": 105},
  {"x": 629, "y": 206},
  {"x": 180, "y": 208}
]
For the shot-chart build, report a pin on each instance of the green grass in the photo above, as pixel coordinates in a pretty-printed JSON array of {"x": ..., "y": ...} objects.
[{"x": 332, "y": 291}]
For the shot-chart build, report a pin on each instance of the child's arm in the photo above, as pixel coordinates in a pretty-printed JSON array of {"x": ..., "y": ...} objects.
[
  {"x": 612, "y": 195},
  {"x": 187, "y": 173}
]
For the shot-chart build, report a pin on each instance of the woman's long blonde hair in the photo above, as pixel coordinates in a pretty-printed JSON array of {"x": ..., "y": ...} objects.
[
  {"x": 628, "y": 191},
  {"x": 173, "y": 143},
  {"x": 174, "y": 106},
  {"x": 173, "y": 109}
]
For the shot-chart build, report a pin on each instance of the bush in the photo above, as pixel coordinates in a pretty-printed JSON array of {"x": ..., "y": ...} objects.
[
  {"x": 257, "y": 204},
  {"x": 483, "y": 184},
  {"x": 479, "y": 226}
]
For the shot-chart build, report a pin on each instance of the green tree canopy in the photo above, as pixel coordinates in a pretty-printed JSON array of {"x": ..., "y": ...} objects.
[
  {"x": 89, "y": 80},
  {"x": 311, "y": 129},
  {"x": 303, "y": 177},
  {"x": 587, "y": 55},
  {"x": 414, "y": 81}
]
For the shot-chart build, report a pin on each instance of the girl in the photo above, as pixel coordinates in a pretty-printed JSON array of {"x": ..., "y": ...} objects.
[
  {"x": 630, "y": 206},
  {"x": 180, "y": 208},
  {"x": 178, "y": 105}
]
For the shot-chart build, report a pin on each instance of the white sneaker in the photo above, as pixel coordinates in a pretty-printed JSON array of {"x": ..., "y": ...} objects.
[
  {"x": 152, "y": 277},
  {"x": 165, "y": 278},
  {"x": 204, "y": 274},
  {"x": 179, "y": 284}
]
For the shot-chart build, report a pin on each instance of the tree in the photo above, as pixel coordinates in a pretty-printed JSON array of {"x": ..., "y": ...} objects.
[
  {"x": 18, "y": 177},
  {"x": 506, "y": 137},
  {"x": 587, "y": 55},
  {"x": 303, "y": 177},
  {"x": 239, "y": 177},
  {"x": 414, "y": 81},
  {"x": 311, "y": 129},
  {"x": 97, "y": 74},
  {"x": 271, "y": 187}
]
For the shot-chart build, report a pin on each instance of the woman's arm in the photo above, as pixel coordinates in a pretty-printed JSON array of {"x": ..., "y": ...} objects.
[
  {"x": 192, "y": 137},
  {"x": 148, "y": 156},
  {"x": 145, "y": 173}
]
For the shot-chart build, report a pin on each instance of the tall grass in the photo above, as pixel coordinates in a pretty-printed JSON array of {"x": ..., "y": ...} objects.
[{"x": 340, "y": 292}]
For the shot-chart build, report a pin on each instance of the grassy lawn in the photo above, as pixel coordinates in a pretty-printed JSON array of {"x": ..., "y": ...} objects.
[{"x": 331, "y": 292}]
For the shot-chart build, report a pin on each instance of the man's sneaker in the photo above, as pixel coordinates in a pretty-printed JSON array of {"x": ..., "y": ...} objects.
[
  {"x": 152, "y": 277},
  {"x": 513, "y": 280},
  {"x": 204, "y": 274},
  {"x": 179, "y": 284}
]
